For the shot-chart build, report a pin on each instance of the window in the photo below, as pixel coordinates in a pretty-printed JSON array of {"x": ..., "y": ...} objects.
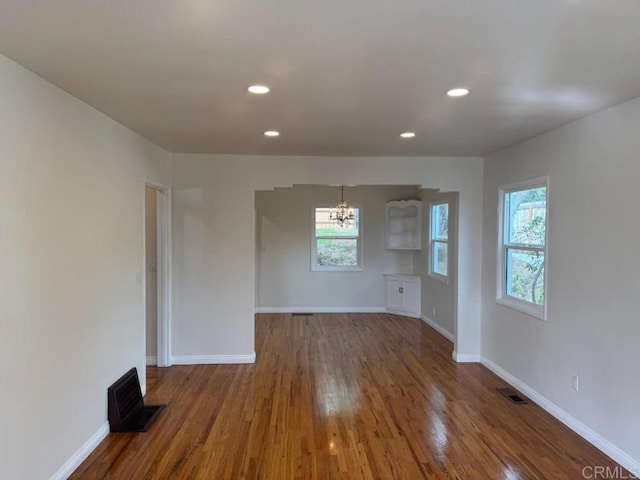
[
  {"x": 523, "y": 246},
  {"x": 334, "y": 247},
  {"x": 439, "y": 242}
]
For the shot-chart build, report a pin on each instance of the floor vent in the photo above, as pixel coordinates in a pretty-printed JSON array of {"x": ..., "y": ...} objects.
[
  {"x": 126, "y": 409},
  {"x": 513, "y": 395},
  {"x": 302, "y": 314}
]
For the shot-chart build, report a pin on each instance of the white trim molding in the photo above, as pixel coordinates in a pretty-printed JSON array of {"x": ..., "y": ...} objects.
[
  {"x": 320, "y": 310},
  {"x": 315, "y": 266},
  {"x": 82, "y": 453},
  {"x": 152, "y": 360},
  {"x": 213, "y": 359},
  {"x": 580, "y": 428},
  {"x": 503, "y": 246},
  {"x": 431, "y": 241},
  {"x": 466, "y": 357},
  {"x": 438, "y": 328}
]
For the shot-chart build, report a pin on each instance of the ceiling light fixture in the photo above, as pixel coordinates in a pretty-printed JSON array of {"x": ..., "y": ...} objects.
[
  {"x": 458, "y": 92},
  {"x": 342, "y": 214},
  {"x": 258, "y": 89},
  {"x": 408, "y": 135},
  {"x": 271, "y": 133}
]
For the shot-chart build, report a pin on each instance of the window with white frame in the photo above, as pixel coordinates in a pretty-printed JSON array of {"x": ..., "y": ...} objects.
[
  {"x": 439, "y": 241},
  {"x": 335, "y": 247},
  {"x": 522, "y": 248}
]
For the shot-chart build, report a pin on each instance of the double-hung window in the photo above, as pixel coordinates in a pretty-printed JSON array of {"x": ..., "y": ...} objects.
[
  {"x": 439, "y": 241},
  {"x": 335, "y": 247},
  {"x": 522, "y": 246}
]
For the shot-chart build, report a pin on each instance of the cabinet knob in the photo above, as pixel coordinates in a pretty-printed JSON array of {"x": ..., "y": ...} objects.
[{"x": 400, "y": 290}]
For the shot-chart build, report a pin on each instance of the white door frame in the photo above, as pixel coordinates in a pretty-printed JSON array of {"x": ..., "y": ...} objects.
[{"x": 163, "y": 217}]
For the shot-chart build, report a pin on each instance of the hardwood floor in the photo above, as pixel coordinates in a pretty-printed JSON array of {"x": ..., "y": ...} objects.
[{"x": 341, "y": 396}]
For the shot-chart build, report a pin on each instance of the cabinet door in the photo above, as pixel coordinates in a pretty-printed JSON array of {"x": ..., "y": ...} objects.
[
  {"x": 394, "y": 293},
  {"x": 411, "y": 296}
]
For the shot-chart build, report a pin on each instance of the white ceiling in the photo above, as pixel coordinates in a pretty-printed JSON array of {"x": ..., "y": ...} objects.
[{"x": 347, "y": 76}]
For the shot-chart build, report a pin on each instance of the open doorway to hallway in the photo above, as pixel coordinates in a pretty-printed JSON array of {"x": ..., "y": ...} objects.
[
  {"x": 151, "y": 273},
  {"x": 157, "y": 268}
]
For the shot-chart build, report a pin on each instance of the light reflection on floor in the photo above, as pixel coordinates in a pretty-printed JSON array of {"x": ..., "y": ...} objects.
[{"x": 336, "y": 397}]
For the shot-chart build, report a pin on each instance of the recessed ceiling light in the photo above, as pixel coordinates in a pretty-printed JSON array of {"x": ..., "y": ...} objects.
[
  {"x": 271, "y": 133},
  {"x": 407, "y": 135},
  {"x": 258, "y": 89},
  {"x": 458, "y": 92}
]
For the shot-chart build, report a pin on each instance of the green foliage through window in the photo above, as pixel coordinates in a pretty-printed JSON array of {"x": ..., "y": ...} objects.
[
  {"x": 525, "y": 240},
  {"x": 337, "y": 252},
  {"x": 440, "y": 239}
]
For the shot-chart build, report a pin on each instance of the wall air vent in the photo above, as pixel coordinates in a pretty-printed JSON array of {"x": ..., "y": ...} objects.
[{"x": 126, "y": 409}]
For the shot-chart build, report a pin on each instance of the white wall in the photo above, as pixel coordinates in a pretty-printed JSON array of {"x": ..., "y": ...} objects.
[
  {"x": 71, "y": 243},
  {"x": 284, "y": 239},
  {"x": 214, "y": 236},
  {"x": 436, "y": 294},
  {"x": 593, "y": 326},
  {"x": 151, "y": 268}
]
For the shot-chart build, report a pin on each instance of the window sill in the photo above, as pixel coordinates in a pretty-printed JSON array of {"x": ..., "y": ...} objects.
[
  {"x": 536, "y": 311},
  {"x": 318, "y": 268},
  {"x": 439, "y": 278}
]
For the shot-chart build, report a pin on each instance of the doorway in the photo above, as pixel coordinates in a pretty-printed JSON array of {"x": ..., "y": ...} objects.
[
  {"x": 289, "y": 233},
  {"x": 157, "y": 273}
]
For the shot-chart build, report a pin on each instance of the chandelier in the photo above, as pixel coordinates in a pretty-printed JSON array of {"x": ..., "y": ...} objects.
[{"x": 342, "y": 214}]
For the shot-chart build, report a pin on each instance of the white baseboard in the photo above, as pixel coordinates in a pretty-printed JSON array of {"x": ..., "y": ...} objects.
[
  {"x": 320, "y": 310},
  {"x": 580, "y": 428},
  {"x": 438, "y": 328},
  {"x": 81, "y": 454},
  {"x": 402, "y": 313},
  {"x": 152, "y": 360},
  {"x": 213, "y": 359},
  {"x": 466, "y": 357}
]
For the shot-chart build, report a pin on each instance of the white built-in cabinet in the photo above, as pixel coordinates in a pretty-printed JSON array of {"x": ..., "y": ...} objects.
[
  {"x": 403, "y": 220},
  {"x": 403, "y": 294}
]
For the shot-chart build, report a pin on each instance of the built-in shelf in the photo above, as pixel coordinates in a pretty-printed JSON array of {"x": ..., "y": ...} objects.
[{"x": 403, "y": 219}]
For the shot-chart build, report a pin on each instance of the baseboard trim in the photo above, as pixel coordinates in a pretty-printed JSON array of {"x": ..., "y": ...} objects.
[
  {"x": 320, "y": 310},
  {"x": 438, "y": 328},
  {"x": 82, "y": 453},
  {"x": 580, "y": 428},
  {"x": 466, "y": 357},
  {"x": 393, "y": 311},
  {"x": 213, "y": 359},
  {"x": 152, "y": 360}
]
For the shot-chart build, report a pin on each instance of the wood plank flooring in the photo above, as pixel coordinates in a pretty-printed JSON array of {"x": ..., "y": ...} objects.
[{"x": 341, "y": 396}]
